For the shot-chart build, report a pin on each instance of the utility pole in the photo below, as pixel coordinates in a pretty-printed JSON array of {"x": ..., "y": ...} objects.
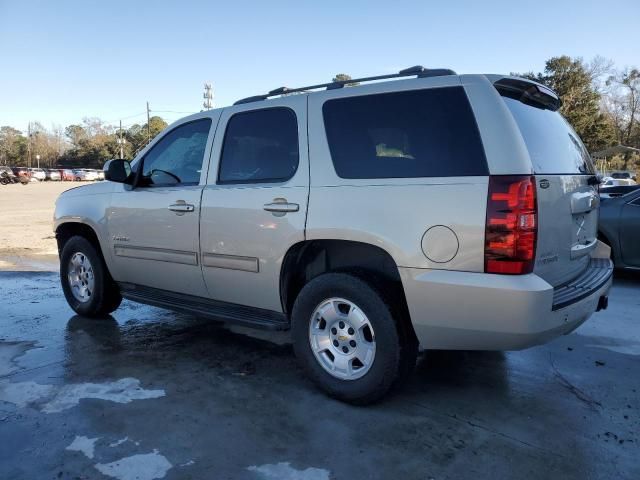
[
  {"x": 208, "y": 97},
  {"x": 121, "y": 141},
  {"x": 29, "y": 145},
  {"x": 148, "y": 125}
]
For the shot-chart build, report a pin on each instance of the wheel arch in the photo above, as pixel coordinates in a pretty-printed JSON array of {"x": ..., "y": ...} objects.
[
  {"x": 67, "y": 229},
  {"x": 308, "y": 259}
]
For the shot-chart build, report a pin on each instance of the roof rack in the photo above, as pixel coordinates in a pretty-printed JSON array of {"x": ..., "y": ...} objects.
[{"x": 416, "y": 71}]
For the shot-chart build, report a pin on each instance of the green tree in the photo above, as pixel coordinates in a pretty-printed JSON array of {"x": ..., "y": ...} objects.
[
  {"x": 13, "y": 146},
  {"x": 573, "y": 81},
  {"x": 138, "y": 136},
  {"x": 343, "y": 77}
]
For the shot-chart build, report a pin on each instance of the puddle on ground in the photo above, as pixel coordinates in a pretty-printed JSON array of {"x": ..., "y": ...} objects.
[{"x": 9, "y": 352}]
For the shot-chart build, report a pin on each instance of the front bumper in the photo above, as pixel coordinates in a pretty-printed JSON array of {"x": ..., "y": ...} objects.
[{"x": 476, "y": 311}]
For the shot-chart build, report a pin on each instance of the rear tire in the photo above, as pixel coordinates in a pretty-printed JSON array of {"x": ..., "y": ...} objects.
[
  {"x": 321, "y": 336},
  {"x": 87, "y": 285}
]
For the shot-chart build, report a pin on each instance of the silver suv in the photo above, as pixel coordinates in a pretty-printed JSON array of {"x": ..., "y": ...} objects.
[{"x": 435, "y": 210}]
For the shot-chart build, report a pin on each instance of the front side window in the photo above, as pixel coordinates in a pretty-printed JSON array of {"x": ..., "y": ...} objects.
[
  {"x": 420, "y": 133},
  {"x": 177, "y": 158},
  {"x": 260, "y": 146}
]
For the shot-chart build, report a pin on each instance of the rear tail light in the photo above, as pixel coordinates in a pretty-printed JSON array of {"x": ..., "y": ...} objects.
[{"x": 512, "y": 225}]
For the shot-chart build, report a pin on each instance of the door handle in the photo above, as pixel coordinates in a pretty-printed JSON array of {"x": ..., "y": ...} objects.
[
  {"x": 181, "y": 207},
  {"x": 280, "y": 205}
]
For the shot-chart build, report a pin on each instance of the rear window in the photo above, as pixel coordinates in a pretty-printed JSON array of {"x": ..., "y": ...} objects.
[
  {"x": 554, "y": 147},
  {"x": 421, "y": 133}
]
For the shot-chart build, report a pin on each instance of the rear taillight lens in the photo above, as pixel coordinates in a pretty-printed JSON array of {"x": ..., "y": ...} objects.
[{"x": 512, "y": 225}]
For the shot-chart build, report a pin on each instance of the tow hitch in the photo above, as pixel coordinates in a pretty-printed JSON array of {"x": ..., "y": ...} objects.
[{"x": 603, "y": 303}]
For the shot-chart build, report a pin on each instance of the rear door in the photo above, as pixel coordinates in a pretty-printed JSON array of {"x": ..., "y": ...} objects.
[
  {"x": 254, "y": 206},
  {"x": 567, "y": 203}
]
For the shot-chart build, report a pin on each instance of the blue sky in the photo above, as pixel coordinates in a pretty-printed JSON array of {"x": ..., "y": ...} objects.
[{"x": 62, "y": 61}]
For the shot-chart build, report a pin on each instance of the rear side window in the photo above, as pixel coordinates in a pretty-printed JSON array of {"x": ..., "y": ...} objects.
[
  {"x": 260, "y": 146},
  {"x": 421, "y": 133},
  {"x": 554, "y": 147}
]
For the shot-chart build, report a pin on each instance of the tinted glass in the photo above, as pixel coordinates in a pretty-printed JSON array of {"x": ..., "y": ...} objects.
[
  {"x": 554, "y": 147},
  {"x": 177, "y": 158},
  {"x": 421, "y": 133},
  {"x": 260, "y": 146}
]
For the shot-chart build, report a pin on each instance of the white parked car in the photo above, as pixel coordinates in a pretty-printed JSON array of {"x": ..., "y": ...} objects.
[
  {"x": 38, "y": 173},
  {"x": 85, "y": 174},
  {"x": 443, "y": 211},
  {"x": 618, "y": 182}
]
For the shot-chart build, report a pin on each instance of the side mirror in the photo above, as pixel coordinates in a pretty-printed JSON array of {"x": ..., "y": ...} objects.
[{"x": 117, "y": 170}]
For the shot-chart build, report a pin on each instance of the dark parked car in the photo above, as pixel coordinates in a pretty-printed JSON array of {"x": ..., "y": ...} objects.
[
  {"x": 619, "y": 226},
  {"x": 22, "y": 172}
]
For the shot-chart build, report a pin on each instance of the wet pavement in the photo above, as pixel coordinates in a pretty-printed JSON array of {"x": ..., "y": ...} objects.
[{"x": 154, "y": 394}]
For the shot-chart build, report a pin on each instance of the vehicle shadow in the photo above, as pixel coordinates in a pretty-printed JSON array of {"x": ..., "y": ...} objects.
[
  {"x": 164, "y": 340},
  {"x": 442, "y": 370},
  {"x": 167, "y": 339}
]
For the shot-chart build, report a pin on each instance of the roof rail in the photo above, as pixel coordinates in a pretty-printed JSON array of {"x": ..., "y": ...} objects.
[{"x": 416, "y": 71}]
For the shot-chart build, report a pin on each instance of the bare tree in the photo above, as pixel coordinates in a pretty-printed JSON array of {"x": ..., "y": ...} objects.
[{"x": 623, "y": 102}]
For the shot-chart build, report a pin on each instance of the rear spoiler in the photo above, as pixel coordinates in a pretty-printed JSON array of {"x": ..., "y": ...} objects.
[{"x": 528, "y": 92}]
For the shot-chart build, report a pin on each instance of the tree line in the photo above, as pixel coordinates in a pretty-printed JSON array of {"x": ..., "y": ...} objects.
[
  {"x": 87, "y": 145},
  {"x": 600, "y": 101}
]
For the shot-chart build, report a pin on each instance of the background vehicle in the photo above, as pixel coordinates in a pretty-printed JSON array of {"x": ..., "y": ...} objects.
[
  {"x": 619, "y": 227},
  {"x": 7, "y": 176},
  {"x": 68, "y": 175},
  {"x": 617, "y": 191},
  {"x": 38, "y": 173},
  {"x": 446, "y": 211},
  {"x": 616, "y": 182},
  {"x": 22, "y": 172},
  {"x": 52, "y": 175},
  {"x": 84, "y": 174},
  {"x": 621, "y": 175}
]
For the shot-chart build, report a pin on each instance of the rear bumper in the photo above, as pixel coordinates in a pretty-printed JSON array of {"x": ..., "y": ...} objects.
[{"x": 477, "y": 311}]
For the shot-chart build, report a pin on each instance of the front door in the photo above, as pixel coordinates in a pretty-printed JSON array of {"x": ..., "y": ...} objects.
[
  {"x": 255, "y": 202},
  {"x": 153, "y": 226}
]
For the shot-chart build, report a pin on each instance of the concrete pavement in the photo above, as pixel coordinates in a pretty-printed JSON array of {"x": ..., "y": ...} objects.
[{"x": 154, "y": 394}]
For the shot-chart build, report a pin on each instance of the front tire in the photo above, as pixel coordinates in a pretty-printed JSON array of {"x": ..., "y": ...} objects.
[
  {"x": 87, "y": 285},
  {"x": 347, "y": 339}
]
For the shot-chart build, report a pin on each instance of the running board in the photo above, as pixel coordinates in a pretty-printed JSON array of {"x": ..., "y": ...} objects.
[{"x": 228, "y": 312}]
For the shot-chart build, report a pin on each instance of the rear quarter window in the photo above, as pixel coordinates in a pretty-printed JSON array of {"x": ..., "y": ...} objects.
[
  {"x": 554, "y": 147},
  {"x": 418, "y": 133}
]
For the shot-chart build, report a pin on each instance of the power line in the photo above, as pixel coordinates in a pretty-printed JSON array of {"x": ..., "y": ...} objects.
[{"x": 173, "y": 111}]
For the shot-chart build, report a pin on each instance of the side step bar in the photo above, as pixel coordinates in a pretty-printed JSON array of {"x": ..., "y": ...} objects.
[{"x": 228, "y": 312}]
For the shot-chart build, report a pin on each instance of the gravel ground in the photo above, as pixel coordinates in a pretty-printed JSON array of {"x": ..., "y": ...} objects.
[{"x": 26, "y": 234}]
